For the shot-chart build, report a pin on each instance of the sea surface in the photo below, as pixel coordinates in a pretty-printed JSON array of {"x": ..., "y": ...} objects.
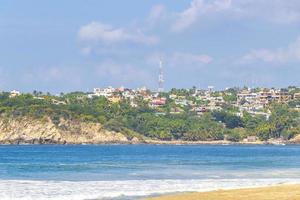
[{"x": 135, "y": 171}]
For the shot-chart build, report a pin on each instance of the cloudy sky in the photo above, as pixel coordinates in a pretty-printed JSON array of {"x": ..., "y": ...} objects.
[{"x": 68, "y": 45}]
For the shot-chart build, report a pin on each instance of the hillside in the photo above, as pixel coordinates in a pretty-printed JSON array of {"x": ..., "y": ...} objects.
[
  {"x": 77, "y": 118},
  {"x": 33, "y": 131}
]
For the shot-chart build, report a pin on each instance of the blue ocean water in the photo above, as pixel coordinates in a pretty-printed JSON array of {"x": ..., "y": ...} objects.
[{"x": 133, "y": 171}]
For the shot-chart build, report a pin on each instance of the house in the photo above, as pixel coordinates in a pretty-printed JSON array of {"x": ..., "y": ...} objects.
[
  {"x": 57, "y": 102},
  {"x": 265, "y": 97},
  {"x": 200, "y": 110},
  {"x": 39, "y": 98},
  {"x": 246, "y": 96},
  {"x": 133, "y": 104},
  {"x": 282, "y": 96},
  {"x": 250, "y": 139},
  {"x": 173, "y": 96},
  {"x": 128, "y": 94},
  {"x": 143, "y": 91},
  {"x": 14, "y": 93},
  {"x": 156, "y": 102},
  {"x": 106, "y": 92},
  {"x": 176, "y": 110},
  {"x": 216, "y": 100},
  {"x": 213, "y": 106},
  {"x": 114, "y": 99},
  {"x": 120, "y": 89},
  {"x": 296, "y": 95},
  {"x": 183, "y": 102}
]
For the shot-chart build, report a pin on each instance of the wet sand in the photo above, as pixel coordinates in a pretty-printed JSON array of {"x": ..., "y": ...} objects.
[{"x": 283, "y": 192}]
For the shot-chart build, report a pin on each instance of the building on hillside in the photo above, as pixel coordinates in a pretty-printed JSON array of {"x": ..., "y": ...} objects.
[
  {"x": 297, "y": 108},
  {"x": 210, "y": 88},
  {"x": 265, "y": 97},
  {"x": 14, "y": 93},
  {"x": 142, "y": 91},
  {"x": 200, "y": 110},
  {"x": 250, "y": 139},
  {"x": 176, "y": 110},
  {"x": 173, "y": 96},
  {"x": 114, "y": 99},
  {"x": 128, "y": 94},
  {"x": 156, "y": 102},
  {"x": 39, "y": 98},
  {"x": 133, "y": 104},
  {"x": 296, "y": 95},
  {"x": 58, "y": 102},
  {"x": 217, "y": 100},
  {"x": 120, "y": 89},
  {"x": 246, "y": 96},
  {"x": 106, "y": 92},
  {"x": 282, "y": 96},
  {"x": 183, "y": 102},
  {"x": 213, "y": 106}
]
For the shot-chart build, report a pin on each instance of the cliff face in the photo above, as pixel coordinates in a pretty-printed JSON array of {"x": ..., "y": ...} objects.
[
  {"x": 296, "y": 139},
  {"x": 31, "y": 131}
]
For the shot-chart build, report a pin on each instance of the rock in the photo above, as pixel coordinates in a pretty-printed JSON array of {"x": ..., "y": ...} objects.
[{"x": 33, "y": 131}]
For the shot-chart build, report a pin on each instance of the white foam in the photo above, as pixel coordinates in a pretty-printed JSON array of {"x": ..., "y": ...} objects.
[{"x": 79, "y": 190}]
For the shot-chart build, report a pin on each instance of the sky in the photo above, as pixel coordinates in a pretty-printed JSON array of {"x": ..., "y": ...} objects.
[{"x": 76, "y": 45}]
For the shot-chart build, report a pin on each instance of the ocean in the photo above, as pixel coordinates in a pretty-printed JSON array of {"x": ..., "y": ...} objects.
[{"x": 77, "y": 172}]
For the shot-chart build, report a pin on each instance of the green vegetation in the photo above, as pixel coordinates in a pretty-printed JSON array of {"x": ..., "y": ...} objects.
[{"x": 142, "y": 120}]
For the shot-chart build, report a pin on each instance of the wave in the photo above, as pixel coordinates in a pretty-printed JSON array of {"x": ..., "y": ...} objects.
[{"x": 81, "y": 190}]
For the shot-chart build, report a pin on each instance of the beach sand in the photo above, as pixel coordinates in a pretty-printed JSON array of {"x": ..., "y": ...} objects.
[{"x": 283, "y": 192}]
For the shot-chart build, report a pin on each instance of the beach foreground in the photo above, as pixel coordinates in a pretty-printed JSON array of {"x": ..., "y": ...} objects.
[{"x": 283, "y": 192}]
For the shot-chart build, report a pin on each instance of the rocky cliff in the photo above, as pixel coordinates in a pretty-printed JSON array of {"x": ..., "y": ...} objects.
[{"x": 33, "y": 131}]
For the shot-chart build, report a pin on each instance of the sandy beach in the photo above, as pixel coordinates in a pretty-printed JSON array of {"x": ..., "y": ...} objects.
[{"x": 283, "y": 192}]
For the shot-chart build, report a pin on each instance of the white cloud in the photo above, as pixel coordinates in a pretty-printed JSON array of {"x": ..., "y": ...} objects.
[
  {"x": 122, "y": 74},
  {"x": 197, "y": 8},
  {"x": 187, "y": 58},
  {"x": 281, "y": 55},
  {"x": 106, "y": 34},
  {"x": 86, "y": 51},
  {"x": 156, "y": 13},
  {"x": 180, "y": 59},
  {"x": 277, "y": 11}
]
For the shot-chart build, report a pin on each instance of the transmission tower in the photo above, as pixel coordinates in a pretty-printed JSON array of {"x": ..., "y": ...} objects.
[{"x": 161, "y": 77}]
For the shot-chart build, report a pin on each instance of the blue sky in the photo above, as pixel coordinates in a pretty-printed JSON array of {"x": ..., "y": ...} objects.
[{"x": 69, "y": 45}]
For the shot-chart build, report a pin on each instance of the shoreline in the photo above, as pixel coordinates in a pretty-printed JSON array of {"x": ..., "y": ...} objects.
[
  {"x": 159, "y": 142},
  {"x": 274, "y": 192},
  {"x": 215, "y": 142},
  {"x": 137, "y": 189}
]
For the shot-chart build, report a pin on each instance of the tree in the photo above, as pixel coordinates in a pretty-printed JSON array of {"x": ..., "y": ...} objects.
[
  {"x": 263, "y": 131},
  {"x": 231, "y": 121}
]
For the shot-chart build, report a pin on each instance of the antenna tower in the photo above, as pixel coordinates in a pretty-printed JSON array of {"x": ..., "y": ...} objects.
[{"x": 161, "y": 77}]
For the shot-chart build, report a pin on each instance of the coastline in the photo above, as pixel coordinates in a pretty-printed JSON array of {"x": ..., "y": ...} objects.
[
  {"x": 150, "y": 142},
  {"x": 32, "y": 131},
  {"x": 215, "y": 142},
  {"x": 283, "y": 192}
]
